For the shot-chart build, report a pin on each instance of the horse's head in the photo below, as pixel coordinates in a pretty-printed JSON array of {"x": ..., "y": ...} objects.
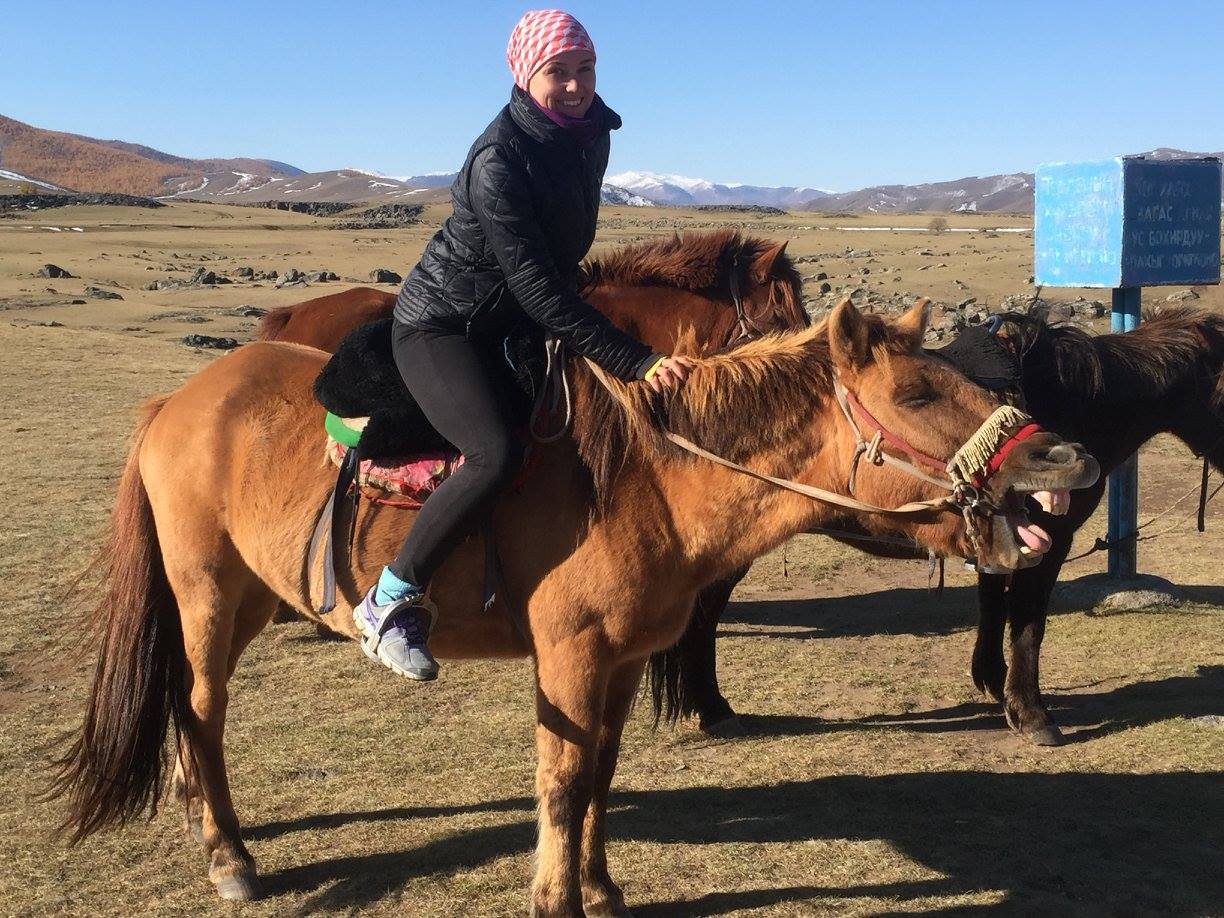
[
  {"x": 721, "y": 287},
  {"x": 765, "y": 290},
  {"x": 900, "y": 403}
]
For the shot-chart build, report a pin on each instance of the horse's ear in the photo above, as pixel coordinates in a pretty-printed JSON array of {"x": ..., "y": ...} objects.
[
  {"x": 848, "y": 336},
  {"x": 763, "y": 266},
  {"x": 913, "y": 324}
]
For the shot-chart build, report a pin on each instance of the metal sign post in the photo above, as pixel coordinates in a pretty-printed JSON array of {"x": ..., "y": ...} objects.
[
  {"x": 1127, "y": 223},
  {"x": 1124, "y": 480}
]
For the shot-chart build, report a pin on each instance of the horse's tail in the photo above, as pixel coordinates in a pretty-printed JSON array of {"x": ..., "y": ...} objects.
[
  {"x": 112, "y": 771},
  {"x": 272, "y": 323},
  {"x": 665, "y": 681}
]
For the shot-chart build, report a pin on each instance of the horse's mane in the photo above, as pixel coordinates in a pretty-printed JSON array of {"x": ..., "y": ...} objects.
[
  {"x": 701, "y": 262},
  {"x": 1172, "y": 346},
  {"x": 737, "y": 403}
]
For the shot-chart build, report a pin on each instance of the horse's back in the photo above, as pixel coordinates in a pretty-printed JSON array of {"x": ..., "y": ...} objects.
[{"x": 323, "y": 321}]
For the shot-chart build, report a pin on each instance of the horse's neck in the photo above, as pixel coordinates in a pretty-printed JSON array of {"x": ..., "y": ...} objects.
[
  {"x": 1127, "y": 411},
  {"x": 657, "y": 315},
  {"x": 708, "y": 519}
]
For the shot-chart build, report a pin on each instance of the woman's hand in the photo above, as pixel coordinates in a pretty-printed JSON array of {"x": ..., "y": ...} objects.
[{"x": 670, "y": 373}]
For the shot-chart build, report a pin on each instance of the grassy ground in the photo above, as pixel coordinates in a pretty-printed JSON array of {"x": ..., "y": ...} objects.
[{"x": 870, "y": 780}]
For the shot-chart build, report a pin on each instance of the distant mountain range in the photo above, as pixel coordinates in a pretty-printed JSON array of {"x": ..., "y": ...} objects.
[
  {"x": 56, "y": 160},
  {"x": 664, "y": 188}
]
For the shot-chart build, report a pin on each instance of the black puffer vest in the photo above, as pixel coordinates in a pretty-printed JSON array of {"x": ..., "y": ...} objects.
[{"x": 525, "y": 207}]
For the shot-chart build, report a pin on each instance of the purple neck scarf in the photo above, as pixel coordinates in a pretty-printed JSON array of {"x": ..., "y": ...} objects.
[{"x": 584, "y": 131}]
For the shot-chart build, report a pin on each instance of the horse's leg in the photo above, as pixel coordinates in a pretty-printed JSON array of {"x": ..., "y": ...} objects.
[
  {"x": 251, "y": 618},
  {"x": 221, "y": 608},
  {"x": 600, "y": 895},
  {"x": 1028, "y": 601},
  {"x": 699, "y": 661},
  {"x": 989, "y": 669},
  {"x": 571, "y": 683}
]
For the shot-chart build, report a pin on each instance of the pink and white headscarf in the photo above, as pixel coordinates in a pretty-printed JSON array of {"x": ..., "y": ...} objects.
[{"x": 540, "y": 36}]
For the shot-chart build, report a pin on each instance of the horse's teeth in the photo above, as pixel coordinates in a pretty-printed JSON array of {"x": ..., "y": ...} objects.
[{"x": 1055, "y": 503}]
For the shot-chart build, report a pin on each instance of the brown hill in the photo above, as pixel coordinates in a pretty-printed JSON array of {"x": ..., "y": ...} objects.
[{"x": 87, "y": 164}]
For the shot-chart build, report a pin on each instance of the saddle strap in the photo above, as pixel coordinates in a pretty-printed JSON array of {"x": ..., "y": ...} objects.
[
  {"x": 328, "y": 529},
  {"x": 495, "y": 581}
]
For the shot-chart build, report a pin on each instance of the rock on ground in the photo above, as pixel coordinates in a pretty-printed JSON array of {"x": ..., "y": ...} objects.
[
  {"x": 210, "y": 341},
  {"x": 385, "y": 276}
]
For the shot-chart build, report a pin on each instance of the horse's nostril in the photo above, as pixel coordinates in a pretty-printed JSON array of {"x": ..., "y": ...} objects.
[{"x": 1062, "y": 454}]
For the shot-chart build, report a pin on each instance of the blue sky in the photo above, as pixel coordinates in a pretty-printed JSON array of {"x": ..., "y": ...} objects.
[{"x": 833, "y": 95}]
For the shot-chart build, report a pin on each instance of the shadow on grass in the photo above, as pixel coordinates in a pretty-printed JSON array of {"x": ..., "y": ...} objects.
[
  {"x": 894, "y": 611},
  {"x": 1085, "y": 715},
  {"x": 1052, "y": 842}
]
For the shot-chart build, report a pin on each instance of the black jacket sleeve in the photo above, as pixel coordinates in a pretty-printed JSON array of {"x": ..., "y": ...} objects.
[{"x": 500, "y": 197}]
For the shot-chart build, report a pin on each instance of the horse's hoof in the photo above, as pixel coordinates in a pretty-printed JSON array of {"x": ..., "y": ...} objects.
[
  {"x": 726, "y": 728},
  {"x": 239, "y": 887},
  {"x": 1047, "y": 736},
  {"x": 195, "y": 828}
]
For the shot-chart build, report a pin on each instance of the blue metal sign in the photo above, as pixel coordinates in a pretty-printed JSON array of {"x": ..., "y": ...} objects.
[{"x": 1127, "y": 222}]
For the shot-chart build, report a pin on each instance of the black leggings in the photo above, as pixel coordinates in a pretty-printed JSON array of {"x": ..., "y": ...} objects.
[{"x": 451, "y": 380}]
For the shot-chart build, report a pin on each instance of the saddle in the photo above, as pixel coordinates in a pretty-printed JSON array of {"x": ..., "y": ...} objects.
[
  {"x": 379, "y": 438},
  {"x": 361, "y": 381}
]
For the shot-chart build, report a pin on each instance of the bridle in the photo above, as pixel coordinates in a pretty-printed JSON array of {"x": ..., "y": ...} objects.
[
  {"x": 964, "y": 476},
  {"x": 747, "y": 328}
]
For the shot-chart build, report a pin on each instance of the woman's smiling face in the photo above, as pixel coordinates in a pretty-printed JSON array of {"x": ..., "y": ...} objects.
[{"x": 566, "y": 83}]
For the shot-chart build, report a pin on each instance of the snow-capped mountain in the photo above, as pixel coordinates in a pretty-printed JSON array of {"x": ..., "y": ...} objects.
[
  {"x": 612, "y": 194},
  {"x": 666, "y": 188},
  {"x": 429, "y": 179}
]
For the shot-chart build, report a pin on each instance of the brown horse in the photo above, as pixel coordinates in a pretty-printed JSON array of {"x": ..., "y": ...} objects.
[
  {"x": 614, "y": 534},
  {"x": 721, "y": 284}
]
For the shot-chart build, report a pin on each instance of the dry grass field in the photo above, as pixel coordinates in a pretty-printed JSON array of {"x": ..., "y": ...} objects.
[{"x": 869, "y": 779}]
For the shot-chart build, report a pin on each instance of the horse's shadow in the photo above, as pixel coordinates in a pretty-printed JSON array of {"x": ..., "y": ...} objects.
[
  {"x": 1083, "y": 715},
  {"x": 1122, "y": 842},
  {"x": 1134, "y": 842},
  {"x": 916, "y": 611},
  {"x": 893, "y": 611}
]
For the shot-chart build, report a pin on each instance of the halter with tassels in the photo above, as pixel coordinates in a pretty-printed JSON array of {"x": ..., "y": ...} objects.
[
  {"x": 965, "y": 475},
  {"x": 969, "y": 468}
]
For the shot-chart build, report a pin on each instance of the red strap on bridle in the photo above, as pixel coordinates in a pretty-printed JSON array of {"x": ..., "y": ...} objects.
[
  {"x": 1007, "y": 446},
  {"x": 891, "y": 438}
]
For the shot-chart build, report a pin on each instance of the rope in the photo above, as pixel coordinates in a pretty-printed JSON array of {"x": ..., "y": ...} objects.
[
  {"x": 1204, "y": 498},
  {"x": 974, "y": 457}
]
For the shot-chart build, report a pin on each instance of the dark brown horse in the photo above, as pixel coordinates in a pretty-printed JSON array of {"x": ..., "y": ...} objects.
[{"x": 1110, "y": 392}]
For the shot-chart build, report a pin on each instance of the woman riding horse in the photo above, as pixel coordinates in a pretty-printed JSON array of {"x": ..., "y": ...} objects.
[{"x": 525, "y": 205}]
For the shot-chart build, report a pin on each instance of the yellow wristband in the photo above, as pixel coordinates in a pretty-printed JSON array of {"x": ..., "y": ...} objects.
[{"x": 651, "y": 372}]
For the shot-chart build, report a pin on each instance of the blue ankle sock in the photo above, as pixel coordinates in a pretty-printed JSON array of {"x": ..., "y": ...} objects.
[{"x": 391, "y": 588}]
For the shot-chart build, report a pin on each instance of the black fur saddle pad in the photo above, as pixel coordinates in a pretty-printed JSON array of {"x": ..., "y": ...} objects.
[{"x": 362, "y": 380}]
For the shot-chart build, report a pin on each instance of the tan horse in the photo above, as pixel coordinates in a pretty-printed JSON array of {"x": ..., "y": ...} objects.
[{"x": 613, "y": 536}]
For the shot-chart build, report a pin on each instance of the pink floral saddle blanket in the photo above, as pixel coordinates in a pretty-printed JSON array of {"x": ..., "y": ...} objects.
[{"x": 411, "y": 479}]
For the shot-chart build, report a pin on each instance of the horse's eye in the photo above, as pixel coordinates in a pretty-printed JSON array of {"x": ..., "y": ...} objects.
[{"x": 912, "y": 400}]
